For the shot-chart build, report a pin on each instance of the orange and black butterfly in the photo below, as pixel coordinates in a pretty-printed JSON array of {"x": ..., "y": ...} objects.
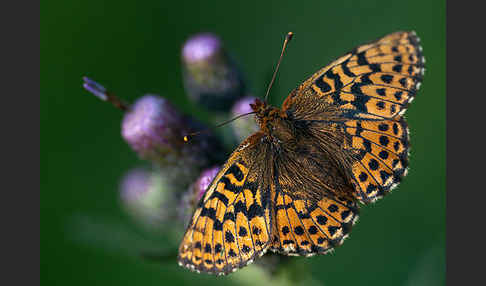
[{"x": 293, "y": 187}]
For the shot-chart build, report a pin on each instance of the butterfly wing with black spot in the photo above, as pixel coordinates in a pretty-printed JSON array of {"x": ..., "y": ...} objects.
[
  {"x": 232, "y": 223},
  {"x": 314, "y": 206},
  {"x": 361, "y": 97},
  {"x": 308, "y": 227}
]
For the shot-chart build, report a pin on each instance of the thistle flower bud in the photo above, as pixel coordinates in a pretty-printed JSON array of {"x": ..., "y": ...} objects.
[
  {"x": 153, "y": 127},
  {"x": 211, "y": 77},
  {"x": 145, "y": 197},
  {"x": 100, "y": 91},
  {"x": 195, "y": 192},
  {"x": 245, "y": 126}
]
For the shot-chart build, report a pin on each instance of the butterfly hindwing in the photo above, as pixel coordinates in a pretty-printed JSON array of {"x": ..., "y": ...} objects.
[
  {"x": 232, "y": 223},
  {"x": 314, "y": 206},
  {"x": 305, "y": 227},
  {"x": 382, "y": 158}
]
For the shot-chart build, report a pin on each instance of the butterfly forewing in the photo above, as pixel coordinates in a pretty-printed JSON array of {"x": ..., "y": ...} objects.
[
  {"x": 373, "y": 81},
  {"x": 364, "y": 94}
]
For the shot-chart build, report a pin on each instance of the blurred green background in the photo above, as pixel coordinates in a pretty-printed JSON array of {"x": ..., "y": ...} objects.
[{"x": 134, "y": 48}]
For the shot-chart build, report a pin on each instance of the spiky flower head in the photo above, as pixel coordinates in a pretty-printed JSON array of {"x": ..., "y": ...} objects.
[
  {"x": 146, "y": 196},
  {"x": 153, "y": 127}
]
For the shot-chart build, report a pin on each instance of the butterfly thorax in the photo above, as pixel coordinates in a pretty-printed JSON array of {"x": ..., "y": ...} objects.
[{"x": 267, "y": 117}]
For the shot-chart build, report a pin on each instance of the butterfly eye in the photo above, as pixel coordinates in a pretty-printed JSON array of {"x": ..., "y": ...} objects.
[{"x": 256, "y": 104}]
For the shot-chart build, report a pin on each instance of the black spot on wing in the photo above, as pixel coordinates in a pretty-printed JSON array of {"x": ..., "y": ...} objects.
[
  {"x": 373, "y": 164},
  {"x": 346, "y": 70},
  {"x": 256, "y": 230},
  {"x": 243, "y": 232},
  {"x": 299, "y": 230},
  {"x": 220, "y": 196},
  {"x": 381, "y": 91},
  {"x": 255, "y": 211},
  {"x": 333, "y": 208},
  {"x": 229, "y": 237},
  {"x": 236, "y": 172},
  {"x": 387, "y": 78},
  {"x": 383, "y": 127},
  {"x": 362, "y": 61},
  {"x": 285, "y": 230},
  {"x": 229, "y": 186},
  {"x": 398, "y": 68},
  {"x": 232, "y": 253},
  {"x": 229, "y": 216},
  {"x": 338, "y": 84},
  {"x": 312, "y": 229},
  {"x": 322, "y": 85},
  {"x": 241, "y": 207},
  {"x": 322, "y": 220},
  {"x": 246, "y": 249}
]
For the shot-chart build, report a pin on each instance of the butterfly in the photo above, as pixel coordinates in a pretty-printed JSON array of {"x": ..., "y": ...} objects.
[{"x": 294, "y": 187}]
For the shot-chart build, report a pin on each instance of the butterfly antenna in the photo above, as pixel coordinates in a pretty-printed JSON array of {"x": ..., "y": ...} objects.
[
  {"x": 287, "y": 40},
  {"x": 191, "y": 135}
]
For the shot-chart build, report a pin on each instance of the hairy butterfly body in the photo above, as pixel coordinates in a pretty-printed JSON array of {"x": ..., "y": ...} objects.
[{"x": 294, "y": 186}]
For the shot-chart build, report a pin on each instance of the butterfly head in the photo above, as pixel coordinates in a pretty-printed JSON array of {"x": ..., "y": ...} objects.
[
  {"x": 258, "y": 106},
  {"x": 264, "y": 113}
]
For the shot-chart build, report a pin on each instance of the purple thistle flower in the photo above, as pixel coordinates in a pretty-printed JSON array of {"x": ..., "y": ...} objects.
[
  {"x": 201, "y": 47},
  {"x": 244, "y": 126},
  {"x": 156, "y": 130},
  {"x": 134, "y": 185},
  {"x": 153, "y": 127},
  {"x": 145, "y": 197},
  {"x": 204, "y": 180},
  {"x": 211, "y": 77}
]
